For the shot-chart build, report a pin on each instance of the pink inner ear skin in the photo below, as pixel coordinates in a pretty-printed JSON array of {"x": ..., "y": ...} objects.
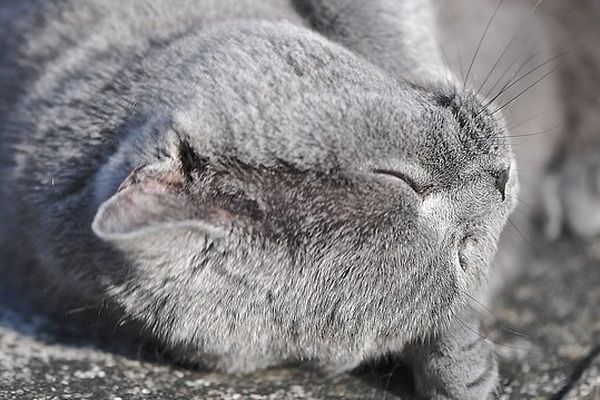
[
  {"x": 153, "y": 181},
  {"x": 130, "y": 180},
  {"x": 158, "y": 187}
]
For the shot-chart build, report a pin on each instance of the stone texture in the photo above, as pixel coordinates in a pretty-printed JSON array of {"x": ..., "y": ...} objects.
[{"x": 555, "y": 307}]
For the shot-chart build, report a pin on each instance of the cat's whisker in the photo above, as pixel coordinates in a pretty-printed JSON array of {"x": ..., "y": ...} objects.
[
  {"x": 523, "y": 161},
  {"x": 530, "y": 205},
  {"x": 512, "y": 83},
  {"x": 529, "y": 87},
  {"x": 548, "y": 131},
  {"x": 489, "y": 74},
  {"x": 532, "y": 50},
  {"x": 494, "y": 318},
  {"x": 532, "y": 118},
  {"x": 532, "y": 214},
  {"x": 503, "y": 327},
  {"x": 488, "y": 339},
  {"x": 515, "y": 73},
  {"x": 508, "y": 45},
  {"x": 527, "y": 203},
  {"x": 460, "y": 61},
  {"x": 523, "y": 236},
  {"x": 562, "y": 57},
  {"x": 444, "y": 53},
  {"x": 503, "y": 141},
  {"x": 490, "y": 316},
  {"x": 481, "y": 40}
]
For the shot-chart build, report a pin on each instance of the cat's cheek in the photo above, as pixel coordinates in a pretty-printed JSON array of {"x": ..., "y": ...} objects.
[
  {"x": 475, "y": 254},
  {"x": 436, "y": 214}
]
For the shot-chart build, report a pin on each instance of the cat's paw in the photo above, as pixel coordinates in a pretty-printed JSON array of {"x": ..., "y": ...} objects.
[
  {"x": 462, "y": 365},
  {"x": 572, "y": 196}
]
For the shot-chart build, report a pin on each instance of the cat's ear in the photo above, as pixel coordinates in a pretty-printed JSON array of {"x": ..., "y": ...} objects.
[{"x": 150, "y": 199}]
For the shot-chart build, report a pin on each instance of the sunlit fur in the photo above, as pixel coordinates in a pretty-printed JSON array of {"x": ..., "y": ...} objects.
[{"x": 234, "y": 173}]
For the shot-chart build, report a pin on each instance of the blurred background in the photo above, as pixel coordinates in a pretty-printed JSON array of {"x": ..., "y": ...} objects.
[{"x": 540, "y": 62}]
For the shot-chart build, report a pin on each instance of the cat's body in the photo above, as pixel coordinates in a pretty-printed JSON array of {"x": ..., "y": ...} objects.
[{"x": 260, "y": 191}]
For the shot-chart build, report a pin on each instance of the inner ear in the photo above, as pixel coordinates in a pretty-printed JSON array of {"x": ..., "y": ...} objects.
[
  {"x": 160, "y": 196},
  {"x": 148, "y": 197},
  {"x": 160, "y": 179}
]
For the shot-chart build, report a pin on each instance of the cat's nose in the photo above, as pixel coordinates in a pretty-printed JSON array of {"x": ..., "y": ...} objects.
[{"x": 501, "y": 181}]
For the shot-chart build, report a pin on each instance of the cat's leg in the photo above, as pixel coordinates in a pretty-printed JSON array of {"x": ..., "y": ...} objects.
[
  {"x": 398, "y": 36},
  {"x": 460, "y": 364},
  {"x": 573, "y": 184}
]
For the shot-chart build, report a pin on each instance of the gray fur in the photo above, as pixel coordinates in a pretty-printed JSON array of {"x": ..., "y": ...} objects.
[
  {"x": 222, "y": 177},
  {"x": 460, "y": 365}
]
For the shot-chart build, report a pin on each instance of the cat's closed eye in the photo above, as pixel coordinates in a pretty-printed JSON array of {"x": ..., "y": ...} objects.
[{"x": 420, "y": 189}]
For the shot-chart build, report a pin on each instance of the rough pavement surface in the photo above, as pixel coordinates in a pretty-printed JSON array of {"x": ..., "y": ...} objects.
[
  {"x": 548, "y": 327},
  {"x": 547, "y": 330}
]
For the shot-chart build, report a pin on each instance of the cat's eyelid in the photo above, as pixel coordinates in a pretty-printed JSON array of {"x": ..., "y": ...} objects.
[{"x": 418, "y": 188}]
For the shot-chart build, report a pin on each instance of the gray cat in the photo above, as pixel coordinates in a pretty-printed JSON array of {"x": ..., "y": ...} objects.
[{"x": 257, "y": 182}]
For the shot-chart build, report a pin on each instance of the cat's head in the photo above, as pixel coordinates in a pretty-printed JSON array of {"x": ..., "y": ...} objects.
[{"x": 297, "y": 197}]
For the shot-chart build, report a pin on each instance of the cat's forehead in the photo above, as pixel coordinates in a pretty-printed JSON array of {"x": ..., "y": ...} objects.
[
  {"x": 348, "y": 126},
  {"x": 297, "y": 97},
  {"x": 340, "y": 132}
]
